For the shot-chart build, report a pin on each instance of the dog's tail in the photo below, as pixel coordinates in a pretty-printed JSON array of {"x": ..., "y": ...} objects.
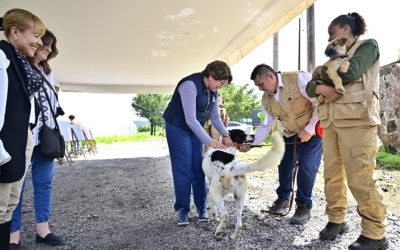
[{"x": 269, "y": 160}]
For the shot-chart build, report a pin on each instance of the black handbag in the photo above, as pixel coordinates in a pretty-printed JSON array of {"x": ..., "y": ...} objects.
[{"x": 52, "y": 144}]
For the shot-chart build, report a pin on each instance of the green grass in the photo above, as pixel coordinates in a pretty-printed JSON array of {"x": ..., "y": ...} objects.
[
  {"x": 141, "y": 136},
  {"x": 388, "y": 161}
]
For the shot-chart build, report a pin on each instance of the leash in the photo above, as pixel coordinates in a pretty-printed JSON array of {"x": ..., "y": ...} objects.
[
  {"x": 238, "y": 145},
  {"x": 296, "y": 168}
]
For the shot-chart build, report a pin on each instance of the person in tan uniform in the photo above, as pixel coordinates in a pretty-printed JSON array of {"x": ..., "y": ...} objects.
[
  {"x": 350, "y": 122},
  {"x": 286, "y": 101}
]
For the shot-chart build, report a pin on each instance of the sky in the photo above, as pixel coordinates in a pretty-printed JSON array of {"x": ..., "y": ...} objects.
[{"x": 111, "y": 114}]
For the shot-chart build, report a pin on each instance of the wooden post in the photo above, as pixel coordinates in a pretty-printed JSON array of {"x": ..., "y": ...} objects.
[
  {"x": 310, "y": 39},
  {"x": 275, "y": 58},
  {"x": 299, "y": 55}
]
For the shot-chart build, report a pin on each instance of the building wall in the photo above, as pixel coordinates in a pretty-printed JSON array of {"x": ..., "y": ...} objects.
[{"x": 389, "y": 90}]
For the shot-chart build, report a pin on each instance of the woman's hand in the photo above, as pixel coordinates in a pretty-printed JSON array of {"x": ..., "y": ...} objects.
[
  {"x": 317, "y": 73},
  {"x": 227, "y": 141},
  {"x": 216, "y": 144},
  {"x": 330, "y": 93}
]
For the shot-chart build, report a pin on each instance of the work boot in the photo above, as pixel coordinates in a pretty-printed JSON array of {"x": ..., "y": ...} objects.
[
  {"x": 302, "y": 214},
  {"x": 331, "y": 230},
  {"x": 279, "y": 206},
  {"x": 183, "y": 218},
  {"x": 365, "y": 243}
]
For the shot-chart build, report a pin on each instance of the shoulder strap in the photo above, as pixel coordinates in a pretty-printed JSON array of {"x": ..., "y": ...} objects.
[
  {"x": 50, "y": 107},
  {"x": 47, "y": 82},
  {"x": 50, "y": 86}
]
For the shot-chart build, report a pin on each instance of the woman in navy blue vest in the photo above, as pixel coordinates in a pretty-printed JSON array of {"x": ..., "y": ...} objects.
[
  {"x": 194, "y": 98},
  {"x": 18, "y": 82}
]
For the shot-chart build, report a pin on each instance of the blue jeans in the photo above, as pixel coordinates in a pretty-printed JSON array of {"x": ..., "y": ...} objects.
[
  {"x": 309, "y": 158},
  {"x": 186, "y": 152},
  {"x": 42, "y": 175}
]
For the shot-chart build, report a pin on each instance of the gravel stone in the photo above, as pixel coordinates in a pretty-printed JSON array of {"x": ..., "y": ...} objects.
[{"x": 127, "y": 203}]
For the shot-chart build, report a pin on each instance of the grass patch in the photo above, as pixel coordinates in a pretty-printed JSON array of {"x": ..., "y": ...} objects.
[
  {"x": 388, "y": 161},
  {"x": 141, "y": 136}
]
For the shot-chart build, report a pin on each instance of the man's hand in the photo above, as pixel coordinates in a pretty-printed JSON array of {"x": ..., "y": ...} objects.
[
  {"x": 244, "y": 147},
  {"x": 304, "y": 136},
  {"x": 330, "y": 93}
]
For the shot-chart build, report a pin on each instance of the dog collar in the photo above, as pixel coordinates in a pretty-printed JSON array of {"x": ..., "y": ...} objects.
[{"x": 339, "y": 56}]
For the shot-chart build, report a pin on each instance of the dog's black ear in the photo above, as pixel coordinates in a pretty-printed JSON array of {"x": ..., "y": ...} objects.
[
  {"x": 237, "y": 136},
  {"x": 222, "y": 156}
]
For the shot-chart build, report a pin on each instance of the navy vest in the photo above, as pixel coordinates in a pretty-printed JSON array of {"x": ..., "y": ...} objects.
[
  {"x": 174, "y": 112},
  {"x": 14, "y": 133}
]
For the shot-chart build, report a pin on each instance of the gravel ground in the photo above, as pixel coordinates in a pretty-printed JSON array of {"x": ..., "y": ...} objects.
[{"x": 127, "y": 203}]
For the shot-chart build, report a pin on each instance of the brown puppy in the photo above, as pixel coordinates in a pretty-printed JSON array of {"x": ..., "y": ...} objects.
[{"x": 336, "y": 51}]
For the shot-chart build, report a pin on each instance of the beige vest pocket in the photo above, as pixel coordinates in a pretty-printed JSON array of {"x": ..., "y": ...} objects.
[
  {"x": 322, "y": 112},
  {"x": 356, "y": 110}
]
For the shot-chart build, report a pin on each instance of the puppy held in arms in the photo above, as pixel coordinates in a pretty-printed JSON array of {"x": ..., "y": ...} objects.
[
  {"x": 336, "y": 51},
  {"x": 226, "y": 175}
]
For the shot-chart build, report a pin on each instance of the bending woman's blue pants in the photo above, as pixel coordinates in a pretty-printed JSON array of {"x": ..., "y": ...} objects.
[
  {"x": 42, "y": 176},
  {"x": 186, "y": 152}
]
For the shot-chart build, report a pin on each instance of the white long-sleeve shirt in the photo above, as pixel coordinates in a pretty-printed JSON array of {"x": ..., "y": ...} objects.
[
  {"x": 266, "y": 125},
  {"x": 4, "y": 63}
]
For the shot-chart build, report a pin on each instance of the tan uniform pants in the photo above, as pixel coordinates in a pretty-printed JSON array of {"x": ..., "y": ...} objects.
[
  {"x": 10, "y": 192},
  {"x": 349, "y": 154}
]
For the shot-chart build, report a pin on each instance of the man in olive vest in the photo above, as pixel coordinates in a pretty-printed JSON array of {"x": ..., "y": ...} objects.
[{"x": 285, "y": 100}]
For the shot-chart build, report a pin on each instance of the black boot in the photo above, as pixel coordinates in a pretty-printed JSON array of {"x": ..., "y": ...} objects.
[
  {"x": 331, "y": 230},
  {"x": 279, "y": 206},
  {"x": 365, "y": 243},
  {"x": 302, "y": 214},
  {"x": 5, "y": 230}
]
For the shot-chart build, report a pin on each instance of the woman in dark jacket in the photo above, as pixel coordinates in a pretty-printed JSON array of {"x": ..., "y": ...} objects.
[{"x": 22, "y": 30}]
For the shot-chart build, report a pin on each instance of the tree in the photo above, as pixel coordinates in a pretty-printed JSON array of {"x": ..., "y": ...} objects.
[
  {"x": 239, "y": 101},
  {"x": 151, "y": 106}
]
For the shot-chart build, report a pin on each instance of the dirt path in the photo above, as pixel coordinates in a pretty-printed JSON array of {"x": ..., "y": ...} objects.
[{"x": 126, "y": 203}]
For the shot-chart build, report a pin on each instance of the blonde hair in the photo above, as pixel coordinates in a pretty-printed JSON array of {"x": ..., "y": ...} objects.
[{"x": 22, "y": 20}]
